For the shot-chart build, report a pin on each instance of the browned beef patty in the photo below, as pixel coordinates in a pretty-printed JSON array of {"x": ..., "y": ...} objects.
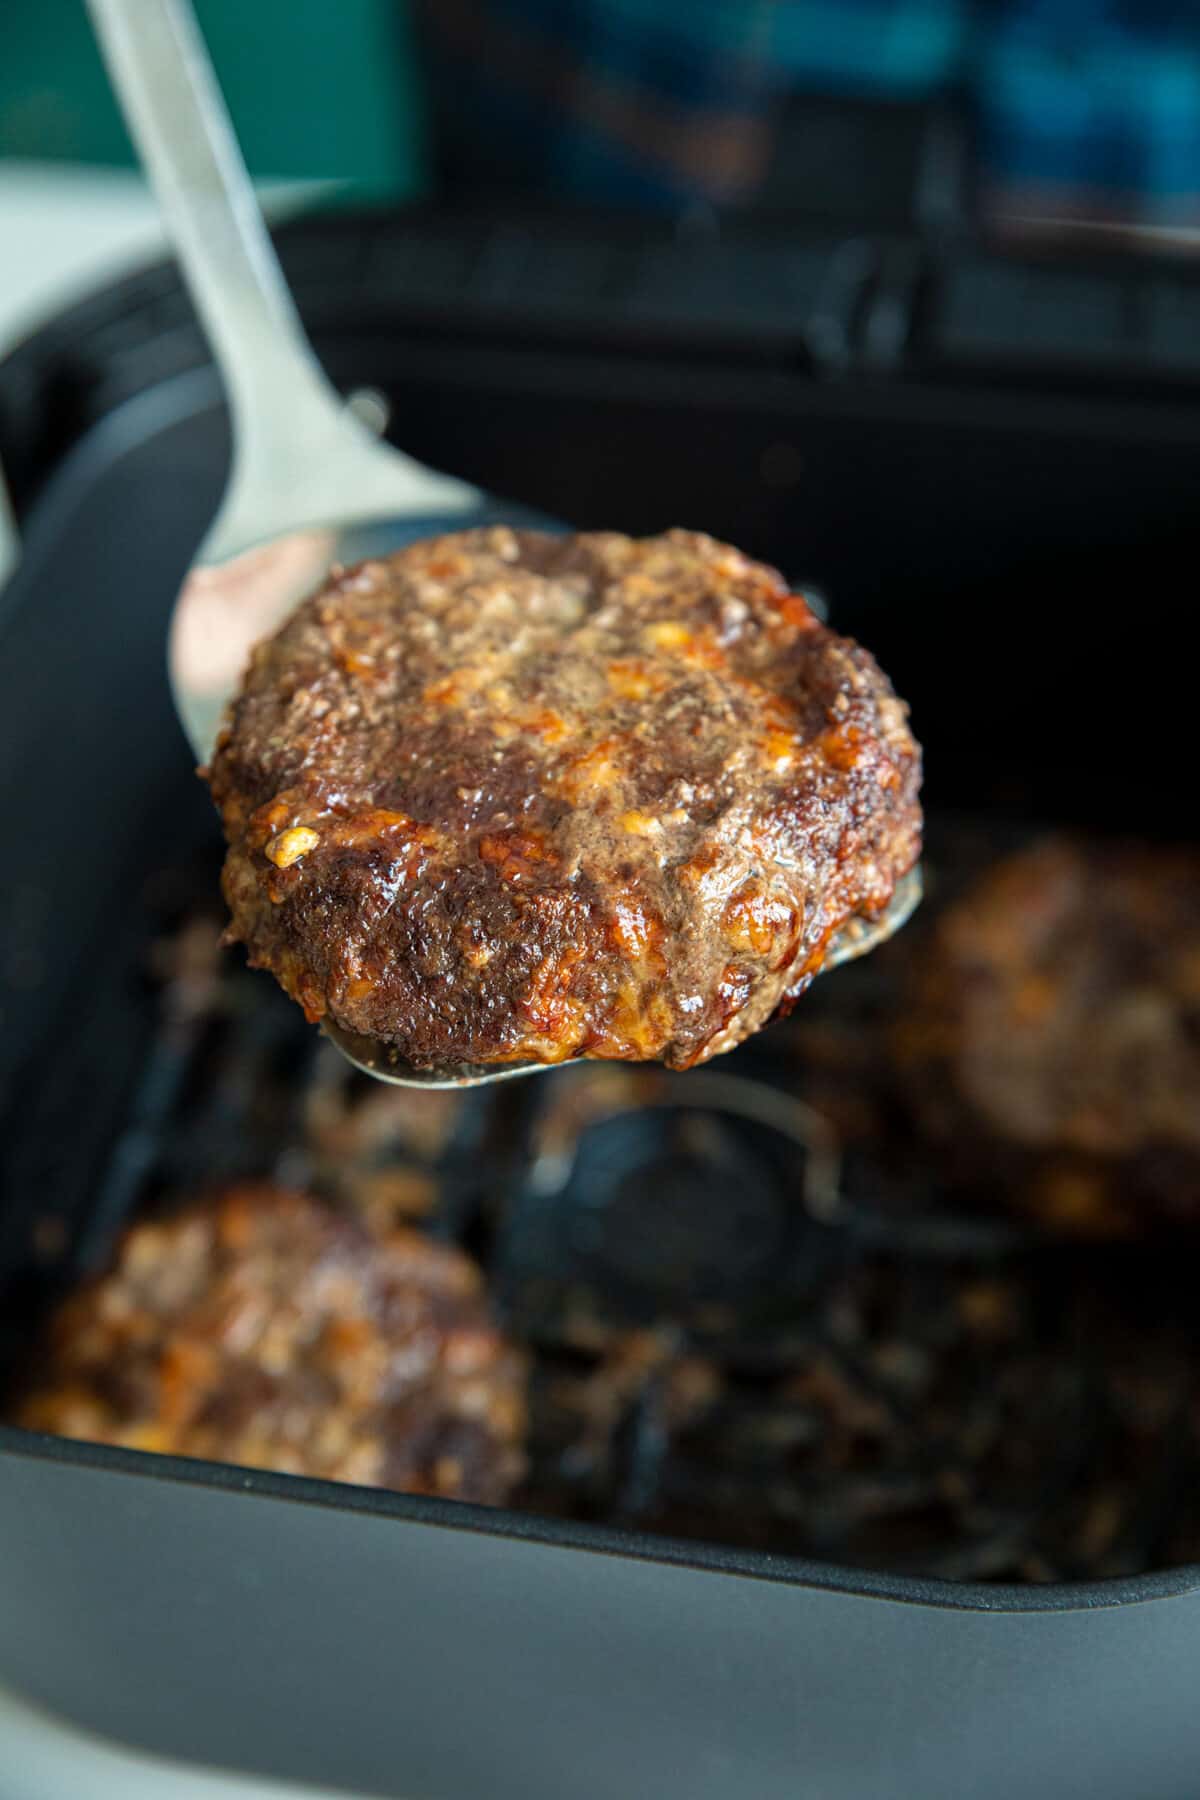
[
  {"x": 1055, "y": 1013},
  {"x": 262, "y": 1328},
  {"x": 507, "y": 795}
]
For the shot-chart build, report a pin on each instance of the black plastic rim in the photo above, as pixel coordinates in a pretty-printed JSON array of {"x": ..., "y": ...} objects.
[{"x": 606, "y": 1540}]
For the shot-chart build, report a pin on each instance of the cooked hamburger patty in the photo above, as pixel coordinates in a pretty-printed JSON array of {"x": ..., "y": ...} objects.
[
  {"x": 513, "y": 796},
  {"x": 262, "y": 1328},
  {"x": 1056, "y": 1011}
]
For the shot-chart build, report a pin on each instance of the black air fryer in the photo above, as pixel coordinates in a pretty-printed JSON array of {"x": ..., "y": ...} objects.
[{"x": 1003, "y": 505}]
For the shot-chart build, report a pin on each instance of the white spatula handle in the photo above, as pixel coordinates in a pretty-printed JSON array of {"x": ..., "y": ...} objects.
[{"x": 298, "y": 450}]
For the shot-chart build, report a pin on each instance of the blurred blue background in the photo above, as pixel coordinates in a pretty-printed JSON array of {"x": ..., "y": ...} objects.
[{"x": 1076, "y": 110}]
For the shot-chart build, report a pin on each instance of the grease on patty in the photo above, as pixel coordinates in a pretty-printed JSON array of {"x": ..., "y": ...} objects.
[{"x": 512, "y": 796}]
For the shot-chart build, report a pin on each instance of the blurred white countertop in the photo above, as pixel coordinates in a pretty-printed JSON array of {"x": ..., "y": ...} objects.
[{"x": 63, "y": 231}]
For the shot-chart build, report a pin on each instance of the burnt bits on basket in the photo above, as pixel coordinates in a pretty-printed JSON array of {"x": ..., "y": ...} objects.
[
  {"x": 391, "y": 1155},
  {"x": 1050, "y": 1044},
  {"x": 716, "y": 1357},
  {"x": 972, "y": 1423},
  {"x": 510, "y": 796},
  {"x": 262, "y": 1328}
]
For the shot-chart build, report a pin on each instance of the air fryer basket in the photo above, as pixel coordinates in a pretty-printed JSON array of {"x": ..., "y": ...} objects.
[{"x": 1013, "y": 556}]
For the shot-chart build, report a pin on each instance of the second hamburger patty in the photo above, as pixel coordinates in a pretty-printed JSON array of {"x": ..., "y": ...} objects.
[
  {"x": 1059, "y": 1002},
  {"x": 507, "y": 795},
  {"x": 1050, "y": 1043}
]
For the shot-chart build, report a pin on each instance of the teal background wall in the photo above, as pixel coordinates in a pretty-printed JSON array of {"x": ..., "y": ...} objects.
[{"x": 324, "y": 89}]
